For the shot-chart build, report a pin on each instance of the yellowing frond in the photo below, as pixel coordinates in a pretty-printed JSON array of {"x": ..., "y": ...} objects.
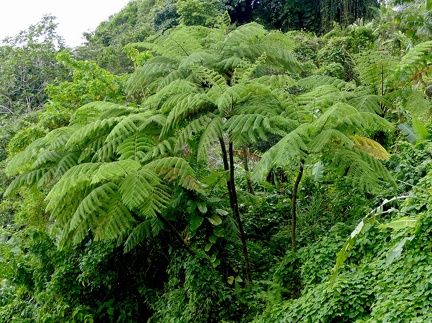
[{"x": 371, "y": 147}]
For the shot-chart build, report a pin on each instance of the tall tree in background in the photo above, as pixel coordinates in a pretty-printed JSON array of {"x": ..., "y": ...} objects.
[{"x": 28, "y": 64}]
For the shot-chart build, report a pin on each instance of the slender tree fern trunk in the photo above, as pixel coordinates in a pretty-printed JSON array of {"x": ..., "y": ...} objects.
[
  {"x": 246, "y": 168},
  {"x": 294, "y": 208},
  {"x": 229, "y": 165}
]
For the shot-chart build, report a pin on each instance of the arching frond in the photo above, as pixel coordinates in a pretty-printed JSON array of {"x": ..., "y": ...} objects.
[
  {"x": 416, "y": 60},
  {"x": 143, "y": 192},
  {"x": 329, "y": 136},
  {"x": 91, "y": 112},
  {"x": 135, "y": 147},
  {"x": 90, "y": 131},
  {"x": 114, "y": 170},
  {"x": 143, "y": 80},
  {"x": 149, "y": 228},
  {"x": 76, "y": 178},
  {"x": 314, "y": 81},
  {"x": 371, "y": 147},
  {"x": 374, "y": 68},
  {"x": 181, "y": 41},
  {"x": 194, "y": 127},
  {"x": 175, "y": 168},
  {"x": 189, "y": 105},
  {"x": 163, "y": 148},
  {"x": 289, "y": 150},
  {"x": 212, "y": 132},
  {"x": 321, "y": 96},
  {"x": 93, "y": 206},
  {"x": 22, "y": 160},
  {"x": 28, "y": 179},
  {"x": 116, "y": 222},
  {"x": 365, "y": 171},
  {"x": 247, "y": 34},
  {"x": 369, "y": 103}
]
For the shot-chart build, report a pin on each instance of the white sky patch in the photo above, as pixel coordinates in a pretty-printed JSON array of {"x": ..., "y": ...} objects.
[{"x": 73, "y": 16}]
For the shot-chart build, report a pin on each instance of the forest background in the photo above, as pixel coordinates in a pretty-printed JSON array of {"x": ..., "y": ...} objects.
[{"x": 220, "y": 161}]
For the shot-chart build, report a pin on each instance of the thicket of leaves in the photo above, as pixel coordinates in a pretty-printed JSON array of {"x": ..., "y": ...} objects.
[{"x": 302, "y": 159}]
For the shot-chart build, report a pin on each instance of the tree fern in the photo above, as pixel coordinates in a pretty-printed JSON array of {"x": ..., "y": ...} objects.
[{"x": 175, "y": 168}]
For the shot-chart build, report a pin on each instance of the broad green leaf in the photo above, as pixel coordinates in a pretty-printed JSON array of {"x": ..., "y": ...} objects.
[
  {"x": 230, "y": 280},
  {"x": 221, "y": 212},
  {"x": 400, "y": 223},
  {"x": 219, "y": 232},
  {"x": 208, "y": 246},
  {"x": 397, "y": 250},
  {"x": 195, "y": 223},
  {"x": 318, "y": 171},
  {"x": 420, "y": 130},
  {"x": 212, "y": 239},
  {"x": 215, "y": 220},
  {"x": 202, "y": 207},
  {"x": 408, "y": 132}
]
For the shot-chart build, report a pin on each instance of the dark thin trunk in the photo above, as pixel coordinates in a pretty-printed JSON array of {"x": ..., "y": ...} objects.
[
  {"x": 246, "y": 168},
  {"x": 226, "y": 167},
  {"x": 237, "y": 215},
  {"x": 176, "y": 233},
  {"x": 294, "y": 209}
]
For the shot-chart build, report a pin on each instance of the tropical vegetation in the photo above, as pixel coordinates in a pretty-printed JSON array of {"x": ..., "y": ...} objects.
[{"x": 220, "y": 161}]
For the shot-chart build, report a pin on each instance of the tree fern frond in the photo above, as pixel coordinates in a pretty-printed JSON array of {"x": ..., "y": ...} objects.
[
  {"x": 21, "y": 160},
  {"x": 374, "y": 68},
  {"x": 371, "y": 147},
  {"x": 114, "y": 170},
  {"x": 212, "y": 132},
  {"x": 416, "y": 59},
  {"x": 279, "y": 40},
  {"x": 143, "y": 191},
  {"x": 228, "y": 64},
  {"x": 142, "y": 81},
  {"x": 88, "y": 132},
  {"x": 149, "y": 228},
  {"x": 279, "y": 81},
  {"x": 314, "y": 81},
  {"x": 209, "y": 78},
  {"x": 328, "y": 136},
  {"x": 369, "y": 103},
  {"x": 28, "y": 179},
  {"x": 91, "y": 112},
  {"x": 135, "y": 147},
  {"x": 163, "y": 148},
  {"x": 251, "y": 126},
  {"x": 179, "y": 74},
  {"x": 175, "y": 168},
  {"x": 198, "y": 59},
  {"x": 68, "y": 161},
  {"x": 47, "y": 157},
  {"x": 116, "y": 222},
  {"x": 176, "y": 87},
  {"x": 276, "y": 57},
  {"x": 289, "y": 149},
  {"x": 188, "y": 106},
  {"x": 88, "y": 151},
  {"x": 194, "y": 127},
  {"x": 93, "y": 206},
  {"x": 57, "y": 138},
  {"x": 321, "y": 96},
  {"x": 365, "y": 171},
  {"x": 181, "y": 41},
  {"x": 76, "y": 178},
  {"x": 247, "y": 34}
]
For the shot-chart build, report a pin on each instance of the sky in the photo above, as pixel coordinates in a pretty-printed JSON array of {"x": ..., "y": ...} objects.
[{"x": 73, "y": 16}]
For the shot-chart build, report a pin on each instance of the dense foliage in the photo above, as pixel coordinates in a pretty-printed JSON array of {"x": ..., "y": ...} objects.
[{"x": 208, "y": 161}]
